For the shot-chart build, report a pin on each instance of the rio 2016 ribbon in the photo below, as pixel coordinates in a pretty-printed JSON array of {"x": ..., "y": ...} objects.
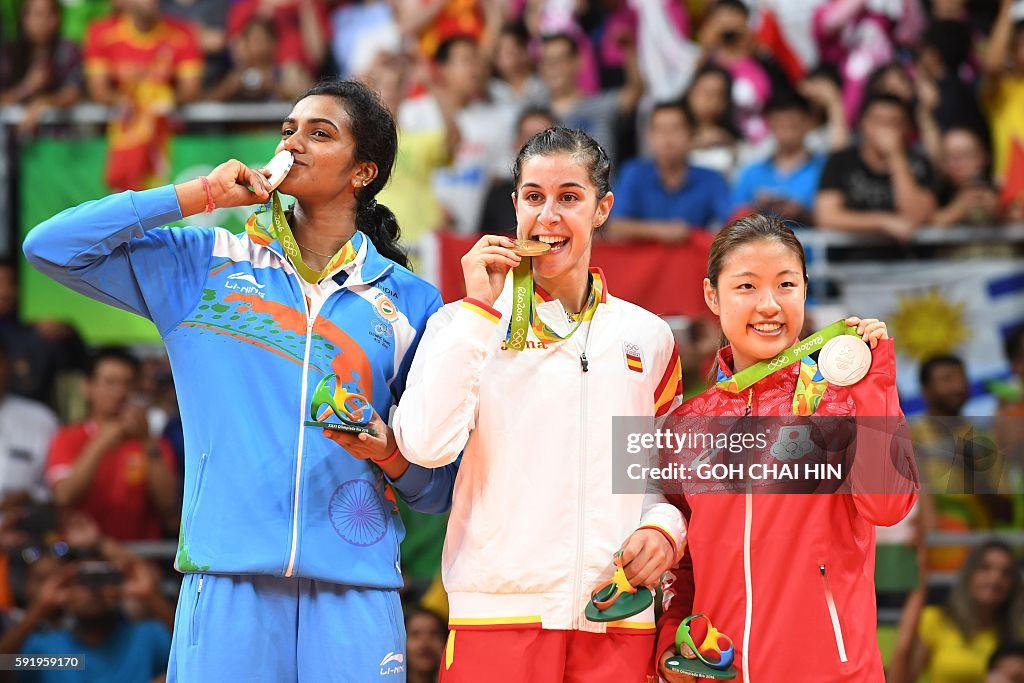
[
  {"x": 261, "y": 232},
  {"x": 524, "y": 306},
  {"x": 805, "y": 347}
]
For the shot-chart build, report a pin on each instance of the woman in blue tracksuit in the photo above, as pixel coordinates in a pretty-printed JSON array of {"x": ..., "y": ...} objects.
[{"x": 289, "y": 546}]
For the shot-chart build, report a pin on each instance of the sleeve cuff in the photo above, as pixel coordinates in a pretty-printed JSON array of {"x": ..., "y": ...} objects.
[
  {"x": 667, "y": 535},
  {"x": 412, "y": 482},
  {"x": 482, "y": 309},
  {"x": 157, "y": 207}
]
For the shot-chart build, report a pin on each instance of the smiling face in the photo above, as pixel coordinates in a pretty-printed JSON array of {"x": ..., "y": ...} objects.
[
  {"x": 318, "y": 134},
  {"x": 759, "y": 300},
  {"x": 556, "y": 202}
]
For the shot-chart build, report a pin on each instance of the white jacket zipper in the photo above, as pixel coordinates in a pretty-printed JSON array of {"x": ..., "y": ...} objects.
[
  {"x": 578, "y": 576},
  {"x": 310, "y": 319},
  {"x": 834, "y": 614}
]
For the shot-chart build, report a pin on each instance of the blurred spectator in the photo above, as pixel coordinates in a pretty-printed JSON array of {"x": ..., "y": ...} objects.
[
  {"x": 784, "y": 184},
  {"x": 821, "y": 87},
  {"x": 143, "y": 64},
  {"x": 1006, "y": 665},
  {"x": 26, "y": 428},
  {"x": 514, "y": 81},
  {"x": 664, "y": 197},
  {"x": 966, "y": 193},
  {"x": 943, "y": 68},
  {"x": 209, "y": 19},
  {"x": 431, "y": 22},
  {"x": 37, "y": 354},
  {"x": 301, "y": 30},
  {"x": 1009, "y": 427},
  {"x": 421, "y": 150},
  {"x": 920, "y": 99},
  {"x": 361, "y": 29},
  {"x": 482, "y": 148},
  {"x": 877, "y": 186},
  {"x": 499, "y": 216},
  {"x": 1003, "y": 86},
  {"x": 94, "y": 598},
  {"x": 426, "y": 633},
  {"x": 954, "y": 642},
  {"x": 715, "y": 136},
  {"x": 110, "y": 466},
  {"x": 857, "y": 36},
  {"x": 40, "y": 69},
  {"x": 728, "y": 42},
  {"x": 598, "y": 114},
  {"x": 666, "y": 56},
  {"x": 254, "y": 76}
]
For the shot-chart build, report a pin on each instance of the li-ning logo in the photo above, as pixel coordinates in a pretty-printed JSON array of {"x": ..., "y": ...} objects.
[
  {"x": 397, "y": 662},
  {"x": 237, "y": 283}
]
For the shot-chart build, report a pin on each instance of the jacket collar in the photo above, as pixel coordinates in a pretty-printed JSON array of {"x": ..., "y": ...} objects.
[{"x": 367, "y": 267}]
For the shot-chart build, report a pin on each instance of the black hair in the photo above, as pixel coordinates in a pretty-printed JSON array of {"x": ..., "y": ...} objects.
[
  {"x": 535, "y": 110},
  {"x": 376, "y": 137},
  {"x": 555, "y": 37},
  {"x": 727, "y": 119},
  {"x": 828, "y": 71},
  {"x": 675, "y": 105},
  {"x": 516, "y": 30},
  {"x": 872, "y": 99},
  {"x": 444, "y": 50},
  {"x": 787, "y": 99},
  {"x": 924, "y": 373},
  {"x": 560, "y": 140},
  {"x": 115, "y": 353},
  {"x": 951, "y": 40},
  {"x": 1013, "y": 346},
  {"x": 737, "y": 5},
  {"x": 1005, "y": 650}
]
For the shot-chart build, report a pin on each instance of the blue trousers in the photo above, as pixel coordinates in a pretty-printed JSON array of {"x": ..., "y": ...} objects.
[{"x": 266, "y": 629}]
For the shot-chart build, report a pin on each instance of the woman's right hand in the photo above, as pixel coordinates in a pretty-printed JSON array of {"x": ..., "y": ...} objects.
[
  {"x": 230, "y": 183},
  {"x": 674, "y": 676},
  {"x": 486, "y": 265}
]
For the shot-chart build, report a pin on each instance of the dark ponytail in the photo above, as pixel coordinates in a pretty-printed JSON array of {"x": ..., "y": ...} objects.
[{"x": 376, "y": 138}]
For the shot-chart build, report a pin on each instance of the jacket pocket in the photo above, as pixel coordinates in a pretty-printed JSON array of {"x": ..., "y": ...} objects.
[
  {"x": 193, "y": 626},
  {"x": 194, "y": 500},
  {"x": 833, "y": 614}
]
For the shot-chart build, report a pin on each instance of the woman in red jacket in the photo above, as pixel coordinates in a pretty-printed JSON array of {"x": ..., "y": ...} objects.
[{"x": 788, "y": 576}]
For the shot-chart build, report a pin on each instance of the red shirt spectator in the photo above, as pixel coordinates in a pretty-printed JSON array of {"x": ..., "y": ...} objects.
[
  {"x": 128, "y": 57},
  {"x": 301, "y": 28},
  {"x": 109, "y": 466},
  {"x": 118, "y": 498}
]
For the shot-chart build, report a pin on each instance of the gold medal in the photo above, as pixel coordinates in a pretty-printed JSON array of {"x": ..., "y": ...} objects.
[{"x": 531, "y": 247}]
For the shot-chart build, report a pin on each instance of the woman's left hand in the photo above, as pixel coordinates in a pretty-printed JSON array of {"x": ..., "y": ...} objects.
[
  {"x": 376, "y": 446},
  {"x": 646, "y": 555},
  {"x": 871, "y": 329}
]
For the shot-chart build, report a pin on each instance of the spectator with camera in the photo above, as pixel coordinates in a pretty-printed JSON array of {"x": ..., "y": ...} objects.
[
  {"x": 83, "y": 602},
  {"x": 110, "y": 466}
]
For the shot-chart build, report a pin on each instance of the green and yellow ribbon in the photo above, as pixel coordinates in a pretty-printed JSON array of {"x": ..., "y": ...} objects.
[
  {"x": 810, "y": 386},
  {"x": 263, "y": 233},
  {"x": 525, "y": 300}
]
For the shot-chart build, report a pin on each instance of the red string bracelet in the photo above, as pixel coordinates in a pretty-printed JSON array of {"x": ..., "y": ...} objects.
[
  {"x": 210, "y": 204},
  {"x": 394, "y": 454}
]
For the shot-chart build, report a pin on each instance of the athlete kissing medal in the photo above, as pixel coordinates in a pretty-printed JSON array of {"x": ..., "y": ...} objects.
[{"x": 279, "y": 167}]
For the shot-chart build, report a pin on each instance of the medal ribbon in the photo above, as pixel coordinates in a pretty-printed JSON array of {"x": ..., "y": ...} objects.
[
  {"x": 524, "y": 308},
  {"x": 805, "y": 347},
  {"x": 261, "y": 232}
]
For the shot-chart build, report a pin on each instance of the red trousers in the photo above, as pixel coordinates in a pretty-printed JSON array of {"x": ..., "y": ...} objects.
[{"x": 521, "y": 655}]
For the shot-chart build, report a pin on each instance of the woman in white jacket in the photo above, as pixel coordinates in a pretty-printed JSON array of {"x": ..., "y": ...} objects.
[{"x": 534, "y": 523}]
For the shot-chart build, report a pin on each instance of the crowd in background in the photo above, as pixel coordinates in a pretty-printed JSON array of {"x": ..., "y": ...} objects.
[{"x": 862, "y": 116}]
